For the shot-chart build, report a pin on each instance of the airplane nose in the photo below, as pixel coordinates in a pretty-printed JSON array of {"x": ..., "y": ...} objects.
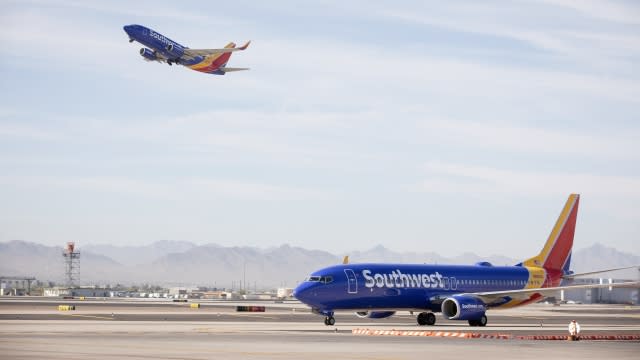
[
  {"x": 128, "y": 29},
  {"x": 306, "y": 293},
  {"x": 300, "y": 292}
]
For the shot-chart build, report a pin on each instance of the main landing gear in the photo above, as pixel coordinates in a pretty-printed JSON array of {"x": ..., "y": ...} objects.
[
  {"x": 479, "y": 322},
  {"x": 426, "y": 318},
  {"x": 329, "y": 321}
]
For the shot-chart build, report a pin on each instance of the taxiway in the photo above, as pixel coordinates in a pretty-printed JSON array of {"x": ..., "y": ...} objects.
[{"x": 35, "y": 329}]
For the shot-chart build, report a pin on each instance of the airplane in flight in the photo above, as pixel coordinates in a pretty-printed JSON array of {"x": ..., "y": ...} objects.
[
  {"x": 459, "y": 292},
  {"x": 162, "y": 49}
]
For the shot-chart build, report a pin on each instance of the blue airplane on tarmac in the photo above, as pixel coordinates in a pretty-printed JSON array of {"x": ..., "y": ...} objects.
[
  {"x": 162, "y": 49},
  {"x": 375, "y": 290}
]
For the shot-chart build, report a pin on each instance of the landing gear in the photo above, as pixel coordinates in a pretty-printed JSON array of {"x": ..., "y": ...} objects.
[
  {"x": 479, "y": 322},
  {"x": 130, "y": 40},
  {"x": 169, "y": 62},
  {"x": 426, "y": 318},
  {"x": 329, "y": 321}
]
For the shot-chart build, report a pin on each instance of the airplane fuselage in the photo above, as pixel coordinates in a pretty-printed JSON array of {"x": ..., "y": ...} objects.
[
  {"x": 377, "y": 290},
  {"x": 160, "y": 44},
  {"x": 414, "y": 286},
  {"x": 161, "y": 48}
]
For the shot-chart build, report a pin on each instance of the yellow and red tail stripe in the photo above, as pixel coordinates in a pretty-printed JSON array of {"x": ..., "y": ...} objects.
[
  {"x": 557, "y": 249},
  {"x": 212, "y": 63}
]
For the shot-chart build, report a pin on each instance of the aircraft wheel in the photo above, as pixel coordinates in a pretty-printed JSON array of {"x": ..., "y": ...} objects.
[
  {"x": 422, "y": 318},
  {"x": 130, "y": 40},
  {"x": 431, "y": 319},
  {"x": 329, "y": 321},
  {"x": 482, "y": 321},
  {"x": 473, "y": 322}
]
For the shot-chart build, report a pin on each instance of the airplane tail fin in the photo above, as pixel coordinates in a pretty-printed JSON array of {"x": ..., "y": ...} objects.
[{"x": 556, "y": 254}]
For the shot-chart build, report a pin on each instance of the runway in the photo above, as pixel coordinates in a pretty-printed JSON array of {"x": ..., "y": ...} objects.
[{"x": 35, "y": 329}]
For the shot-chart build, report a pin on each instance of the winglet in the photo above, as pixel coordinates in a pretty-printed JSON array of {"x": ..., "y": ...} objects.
[
  {"x": 345, "y": 261},
  {"x": 243, "y": 47}
]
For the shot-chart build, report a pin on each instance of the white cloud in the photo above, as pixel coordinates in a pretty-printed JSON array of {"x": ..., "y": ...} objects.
[
  {"x": 134, "y": 10},
  {"x": 509, "y": 137},
  {"x": 573, "y": 37},
  {"x": 614, "y": 11},
  {"x": 466, "y": 178},
  {"x": 18, "y": 131},
  {"x": 251, "y": 191},
  {"x": 176, "y": 189}
]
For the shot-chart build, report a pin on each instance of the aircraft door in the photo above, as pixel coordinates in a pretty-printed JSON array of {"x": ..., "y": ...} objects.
[{"x": 352, "y": 281}]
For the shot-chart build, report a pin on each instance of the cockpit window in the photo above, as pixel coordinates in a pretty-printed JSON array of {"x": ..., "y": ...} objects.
[{"x": 323, "y": 279}]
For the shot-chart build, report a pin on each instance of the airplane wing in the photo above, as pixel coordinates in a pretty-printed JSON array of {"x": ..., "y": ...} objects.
[
  {"x": 205, "y": 52},
  {"x": 523, "y": 294}
]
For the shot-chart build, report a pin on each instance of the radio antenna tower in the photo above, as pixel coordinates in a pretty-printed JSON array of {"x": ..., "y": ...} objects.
[{"x": 72, "y": 264}]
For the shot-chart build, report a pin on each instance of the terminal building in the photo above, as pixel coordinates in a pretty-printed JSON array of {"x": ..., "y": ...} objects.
[
  {"x": 602, "y": 295},
  {"x": 15, "y": 285}
]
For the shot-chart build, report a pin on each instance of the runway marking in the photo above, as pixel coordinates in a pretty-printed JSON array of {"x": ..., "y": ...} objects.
[
  {"x": 470, "y": 335},
  {"x": 252, "y": 316},
  {"x": 92, "y": 316}
]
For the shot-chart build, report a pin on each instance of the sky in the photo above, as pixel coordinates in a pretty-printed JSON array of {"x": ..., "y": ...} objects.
[{"x": 453, "y": 127}]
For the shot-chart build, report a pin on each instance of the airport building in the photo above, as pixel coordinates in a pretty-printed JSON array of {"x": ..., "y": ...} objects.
[
  {"x": 86, "y": 291},
  {"x": 15, "y": 285},
  {"x": 603, "y": 295}
]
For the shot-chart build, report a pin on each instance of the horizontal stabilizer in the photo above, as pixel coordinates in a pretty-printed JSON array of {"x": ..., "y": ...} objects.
[
  {"x": 571, "y": 276},
  {"x": 230, "y": 69}
]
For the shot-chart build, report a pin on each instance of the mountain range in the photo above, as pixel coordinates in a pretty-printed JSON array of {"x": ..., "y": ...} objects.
[{"x": 181, "y": 263}]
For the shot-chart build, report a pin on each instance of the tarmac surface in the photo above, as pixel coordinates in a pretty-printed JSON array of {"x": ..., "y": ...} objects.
[{"x": 33, "y": 328}]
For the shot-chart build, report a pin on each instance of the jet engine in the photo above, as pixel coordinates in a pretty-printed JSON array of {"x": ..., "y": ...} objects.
[
  {"x": 374, "y": 314},
  {"x": 463, "y": 307},
  {"x": 175, "y": 51},
  {"x": 148, "y": 54}
]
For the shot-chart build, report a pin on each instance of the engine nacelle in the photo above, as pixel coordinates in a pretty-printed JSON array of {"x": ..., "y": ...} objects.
[
  {"x": 374, "y": 314},
  {"x": 148, "y": 54},
  {"x": 463, "y": 307},
  {"x": 175, "y": 51}
]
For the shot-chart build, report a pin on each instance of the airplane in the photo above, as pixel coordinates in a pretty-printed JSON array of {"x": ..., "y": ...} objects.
[
  {"x": 459, "y": 292},
  {"x": 162, "y": 49}
]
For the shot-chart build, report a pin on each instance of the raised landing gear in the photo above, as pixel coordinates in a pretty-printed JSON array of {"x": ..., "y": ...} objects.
[
  {"x": 426, "y": 318},
  {"x": 329, "y": 321},
  {"x": 480, "y": 322}
]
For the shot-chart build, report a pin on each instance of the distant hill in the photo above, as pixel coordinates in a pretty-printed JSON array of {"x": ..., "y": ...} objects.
[
  {"x": 598, "y": 256},
  {"x": 382, "y": 254},
  {"x": 184, "y": 263},
  {"x": 21, "y": 258},
  {"x": 133, "y": 255}
]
